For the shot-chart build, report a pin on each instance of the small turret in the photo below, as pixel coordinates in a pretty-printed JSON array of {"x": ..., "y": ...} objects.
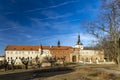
[
  {"x": 79, "y": 44},
  {"x": 58, "y": 43}
]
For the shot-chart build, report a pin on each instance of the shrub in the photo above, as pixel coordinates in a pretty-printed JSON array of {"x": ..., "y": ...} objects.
[{"x": 18, "y": 66}]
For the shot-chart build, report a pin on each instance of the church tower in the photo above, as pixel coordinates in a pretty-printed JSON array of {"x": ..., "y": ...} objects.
[{"x": 79, "y": 44}]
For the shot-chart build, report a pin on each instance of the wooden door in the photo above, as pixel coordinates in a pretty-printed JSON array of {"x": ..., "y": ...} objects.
[{"x": 74, "y": 58}]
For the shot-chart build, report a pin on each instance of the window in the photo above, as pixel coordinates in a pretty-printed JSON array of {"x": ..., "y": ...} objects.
[
  {"x": 7, "y": 52},
  {"x": 16, "y": 57},
  {"x": 32, "y": 52},
  {"x": 8, "y": 57},
  {"x": 11, "y": 57},
  {"x": 31, "y": 57},
  {"x": 11, "y": 52},
  {"x": 16, "y": 52}
]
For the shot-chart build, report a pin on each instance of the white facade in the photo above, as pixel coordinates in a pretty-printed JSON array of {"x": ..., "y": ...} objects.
[
  {"x": 2, "y": 58},
  {"x": 46, "y": 53},
  {"x": 84, "y": 55},
  {"x": 79, "y": 46},
  {"x": 91, "y": 55},
  {"x": 30, "y": 54}
]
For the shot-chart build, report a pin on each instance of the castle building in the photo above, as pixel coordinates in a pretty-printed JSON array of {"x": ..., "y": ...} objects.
[
  {"x": 31, "y": 52},
  {"x": 85, "y": 55},
  {"x": 76, "y": 54},
  {"x": 61, "y": 51}
]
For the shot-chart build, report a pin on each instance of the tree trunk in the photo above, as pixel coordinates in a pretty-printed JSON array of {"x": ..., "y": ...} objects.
[{"x": 26, "y": 66}]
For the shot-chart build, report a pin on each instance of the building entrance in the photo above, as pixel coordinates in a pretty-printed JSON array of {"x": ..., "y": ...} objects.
[{"x": 74, "y": 58}]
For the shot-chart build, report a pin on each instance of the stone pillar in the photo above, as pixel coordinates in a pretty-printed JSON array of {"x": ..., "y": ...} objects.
[
  {"x": 104, "y": 60},
  {"x": 97, "y": 62},
  {"x": 71, "y": 57},
  {"x": 90, "y": 61}
]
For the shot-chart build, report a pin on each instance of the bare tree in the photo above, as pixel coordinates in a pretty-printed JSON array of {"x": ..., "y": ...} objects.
[
  {"x": 13, "y": 63},
  {"x": 38, "y": 62},
  {"x": 63, "y": 59},
  {"x": 51, "y": 60},
  {"x": 6, "y": 64},
  {"x": 25, "y": 61},
  {"x": 107, "y": 28}
]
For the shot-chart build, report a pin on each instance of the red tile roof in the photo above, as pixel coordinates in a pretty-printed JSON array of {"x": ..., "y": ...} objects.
[
  {"x": 16, "y": 47},
  {"x": 60, "y": 47}
]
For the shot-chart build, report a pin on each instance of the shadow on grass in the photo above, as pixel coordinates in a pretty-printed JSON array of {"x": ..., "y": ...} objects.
[
  {"x": 17, "y": 75},
  {"x": 28, "y": 75},
  {"x": 52, "y": 72}
]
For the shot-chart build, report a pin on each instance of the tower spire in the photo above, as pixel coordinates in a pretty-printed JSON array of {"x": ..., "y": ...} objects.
[
  {"x": 58, "y": 43},
  {"x": 78, "y": 42}
]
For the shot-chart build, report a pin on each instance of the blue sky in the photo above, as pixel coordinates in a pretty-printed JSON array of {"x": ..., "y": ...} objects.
[{"x": 34, "y": 22}]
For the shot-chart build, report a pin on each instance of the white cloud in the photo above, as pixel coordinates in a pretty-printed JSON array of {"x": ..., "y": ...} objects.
[
  {"x": 5, "y": 29},
  {"x": 37, "y": 22},
  {"x": 26, "y": 35},
  {"x": 49, "y": 13},
  {"x": 50, "y": 7},
  {"x": 54, "y": 6},
  {"x": 51, "y": 16},
  {"x": 67, "y": 21}
]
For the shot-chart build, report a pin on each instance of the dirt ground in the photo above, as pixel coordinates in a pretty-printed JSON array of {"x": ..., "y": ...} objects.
[
  {"x": 85, "y": 72},
  {"x": 80, "y": 74}
]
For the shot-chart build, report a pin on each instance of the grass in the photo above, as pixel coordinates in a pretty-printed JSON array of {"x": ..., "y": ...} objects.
[
  {"x": 83, "y": 73},
  {"x": 107, "y": 66},
  {"x": 2, "y": 71},
  {"x": 16, "y": 76},
  {"x": 80, "y": 72}
]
